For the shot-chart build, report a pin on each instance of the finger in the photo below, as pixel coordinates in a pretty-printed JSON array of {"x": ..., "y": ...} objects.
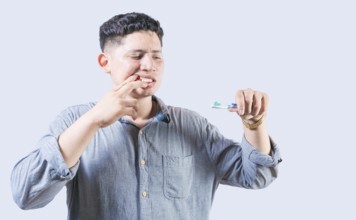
[
  {"x": 128, "y": 87},
  {"x": 240, "y": 101},
  {"x": 264, "y": 104},
  {"x": 248, "y": 94},
  {"x": 131, "y": 111},
  {"x": 131, "y": 78},
  {"x": 257, "y": 102},
  {"x": 129, "y": 102},
  {"x": 233, "y": 109}
]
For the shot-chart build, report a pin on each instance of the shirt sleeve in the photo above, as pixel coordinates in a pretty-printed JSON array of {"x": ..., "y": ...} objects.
[
  {"x": 38, "y": 177},
  {"x": 240, "y": 164}
]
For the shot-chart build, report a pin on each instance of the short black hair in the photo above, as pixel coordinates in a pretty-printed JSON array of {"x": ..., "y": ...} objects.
[{"x": 121, "y": 25}]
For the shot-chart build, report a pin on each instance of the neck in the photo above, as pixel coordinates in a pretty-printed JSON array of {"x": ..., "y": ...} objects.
[{"x": 146, "y": 109}]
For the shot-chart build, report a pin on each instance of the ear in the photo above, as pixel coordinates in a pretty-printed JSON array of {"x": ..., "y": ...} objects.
[{"x": 104, "y": 62}]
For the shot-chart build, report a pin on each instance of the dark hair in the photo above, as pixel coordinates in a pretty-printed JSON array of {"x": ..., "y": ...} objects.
[{"x": 121, "y": 25}]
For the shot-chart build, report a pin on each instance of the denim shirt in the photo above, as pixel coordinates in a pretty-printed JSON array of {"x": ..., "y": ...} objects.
[{"x": 168, "y": 170}]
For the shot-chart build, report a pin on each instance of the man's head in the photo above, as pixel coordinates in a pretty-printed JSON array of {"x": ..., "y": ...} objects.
[
  {"x": 132, "y": 45},
  {"x": 113, "y": 30}
]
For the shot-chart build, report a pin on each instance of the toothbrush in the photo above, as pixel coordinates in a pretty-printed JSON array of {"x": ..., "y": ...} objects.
[{"x": 218, "y": 105}]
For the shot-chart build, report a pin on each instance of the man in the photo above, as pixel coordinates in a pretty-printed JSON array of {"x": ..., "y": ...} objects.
[{"x": 130, "y": 156}]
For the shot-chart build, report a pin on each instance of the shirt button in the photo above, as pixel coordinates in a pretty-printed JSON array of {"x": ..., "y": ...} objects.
[
  {"x": 143, "y": 162},
  {"x": 140, "y": 132},
  {"x": 144, "y": 194}
]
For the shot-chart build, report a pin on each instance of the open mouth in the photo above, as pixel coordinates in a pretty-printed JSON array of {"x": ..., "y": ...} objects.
[{"x": 146, "y": 80}]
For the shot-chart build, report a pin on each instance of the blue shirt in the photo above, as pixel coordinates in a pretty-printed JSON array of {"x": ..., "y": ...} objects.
[{"x": 168, "y": 170}]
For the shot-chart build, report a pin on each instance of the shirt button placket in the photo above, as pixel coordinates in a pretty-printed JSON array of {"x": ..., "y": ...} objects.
[{"x": 144, "y": 200}]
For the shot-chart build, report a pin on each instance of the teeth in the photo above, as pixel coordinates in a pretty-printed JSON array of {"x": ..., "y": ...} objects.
[{"x": 146, "y": 80}]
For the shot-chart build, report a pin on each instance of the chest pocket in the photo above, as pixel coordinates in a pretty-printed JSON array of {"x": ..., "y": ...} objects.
[{"x": 178, "y": 176}]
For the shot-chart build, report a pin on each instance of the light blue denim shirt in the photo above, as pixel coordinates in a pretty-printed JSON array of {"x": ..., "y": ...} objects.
[{"x": 168, "y": 170}]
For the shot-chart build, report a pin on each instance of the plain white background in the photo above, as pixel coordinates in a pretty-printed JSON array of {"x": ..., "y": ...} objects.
[{"x": 302, "y": 53}]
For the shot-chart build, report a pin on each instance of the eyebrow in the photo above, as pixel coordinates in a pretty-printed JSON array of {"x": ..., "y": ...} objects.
[{"x": 144, "y": 51}]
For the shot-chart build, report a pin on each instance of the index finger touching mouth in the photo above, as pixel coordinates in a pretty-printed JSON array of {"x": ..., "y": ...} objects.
[
  {"x": 138, "y": 77},
  {"x": 131, "y": 78}
]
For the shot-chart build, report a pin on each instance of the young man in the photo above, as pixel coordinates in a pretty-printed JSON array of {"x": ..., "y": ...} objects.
[{"x": 130, "y": 156}]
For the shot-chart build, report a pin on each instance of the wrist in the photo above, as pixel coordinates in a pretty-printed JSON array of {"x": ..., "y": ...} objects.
[
  {"x": 93, "y": 120},
  {"x": 253, "y": 123}
]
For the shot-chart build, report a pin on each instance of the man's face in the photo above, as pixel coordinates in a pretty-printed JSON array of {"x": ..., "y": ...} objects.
[{"x": 139, "y": 53}]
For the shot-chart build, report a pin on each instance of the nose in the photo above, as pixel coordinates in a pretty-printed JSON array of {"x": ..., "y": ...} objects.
[{"x": 147, "y": 63}]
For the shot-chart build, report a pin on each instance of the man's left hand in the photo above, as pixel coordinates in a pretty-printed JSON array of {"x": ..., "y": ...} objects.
[{"x": 251, "y": 105}]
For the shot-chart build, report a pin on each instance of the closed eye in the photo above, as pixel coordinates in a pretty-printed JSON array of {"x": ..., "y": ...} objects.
[
  {"x": 136, "y": 57},
  {"x": 156, "y": 57}
]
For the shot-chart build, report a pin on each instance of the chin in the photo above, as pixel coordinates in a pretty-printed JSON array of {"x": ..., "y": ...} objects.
[{"x": 141, "y": 93}]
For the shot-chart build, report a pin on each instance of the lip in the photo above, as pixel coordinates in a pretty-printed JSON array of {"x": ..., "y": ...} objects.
[
  {"x": 149, "y": 85},
  {"x": 146, "y": 77}
]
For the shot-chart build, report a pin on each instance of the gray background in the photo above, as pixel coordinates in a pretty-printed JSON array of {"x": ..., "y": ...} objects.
[{"x": 302, "y": 53}]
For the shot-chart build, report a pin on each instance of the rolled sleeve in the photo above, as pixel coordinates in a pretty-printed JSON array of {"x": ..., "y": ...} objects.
[
  {"x": 37, "y": 178},
  {"x": 241, "y": 164},
  {"x": 257, "y": 157},
  {"x": 266, "y": 166},
  {"x": 51, "y": 152}
]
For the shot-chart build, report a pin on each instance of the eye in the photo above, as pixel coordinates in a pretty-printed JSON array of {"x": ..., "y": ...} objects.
[
  {"x": 156, "y": 57},
  {"x": 136, "y": 57}
]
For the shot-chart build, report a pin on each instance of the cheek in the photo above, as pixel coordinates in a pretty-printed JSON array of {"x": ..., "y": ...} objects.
[
  {"x": 122, "y": 72},
  {"x": 160, "y": 73}
]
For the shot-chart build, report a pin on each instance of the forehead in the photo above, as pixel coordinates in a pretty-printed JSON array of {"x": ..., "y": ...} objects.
[{"x": 142, "y": 40}]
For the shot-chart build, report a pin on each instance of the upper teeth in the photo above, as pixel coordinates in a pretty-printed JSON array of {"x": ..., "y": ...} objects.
[{"x": 146, "y": 80}]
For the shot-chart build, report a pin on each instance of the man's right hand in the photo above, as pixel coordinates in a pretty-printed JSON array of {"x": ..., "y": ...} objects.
[{"x": 117, "y": 103}]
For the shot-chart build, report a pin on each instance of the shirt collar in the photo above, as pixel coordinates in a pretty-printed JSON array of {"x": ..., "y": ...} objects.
[{"x": 162, "y": 114}]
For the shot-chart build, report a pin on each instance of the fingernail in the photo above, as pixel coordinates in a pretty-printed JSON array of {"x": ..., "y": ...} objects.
[{"x": 241, "y": 111}]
